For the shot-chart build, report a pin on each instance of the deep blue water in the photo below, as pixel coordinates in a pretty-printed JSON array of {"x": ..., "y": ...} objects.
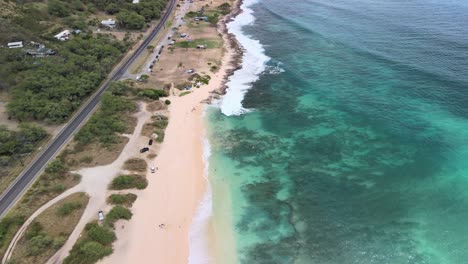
[{"x": 358, "y": 151}]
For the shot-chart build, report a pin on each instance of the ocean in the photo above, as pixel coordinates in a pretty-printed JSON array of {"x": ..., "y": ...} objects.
[{"x": 344, "y": 137}]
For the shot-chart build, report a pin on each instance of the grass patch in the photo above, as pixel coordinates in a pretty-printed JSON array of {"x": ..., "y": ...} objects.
[
  {"x": 49, "y": 231},
  {"x": 208, "y": 42},
  {"x": 68, "y": 208},
  {"x": 122, "y": 199},
  {"x": 135, "y": 164},
  {"x": 123, "y": 182},
  {"x": 184, "y": 93}
]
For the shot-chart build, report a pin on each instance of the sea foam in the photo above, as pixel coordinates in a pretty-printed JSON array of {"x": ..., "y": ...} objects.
[
  {"x": 253, "y": 63},
  {"x": 198, "y": 248}
]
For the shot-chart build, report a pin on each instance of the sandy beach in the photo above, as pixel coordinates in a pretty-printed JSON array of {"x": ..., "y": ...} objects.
[{"x": 176, "y": 189}]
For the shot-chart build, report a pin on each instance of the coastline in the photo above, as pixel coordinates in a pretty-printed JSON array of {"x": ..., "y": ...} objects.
[{"x": 175, "y": 192}]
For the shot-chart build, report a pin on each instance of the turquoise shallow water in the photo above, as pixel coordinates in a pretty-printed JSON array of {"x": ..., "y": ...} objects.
[{"x": 358, "y": 151}]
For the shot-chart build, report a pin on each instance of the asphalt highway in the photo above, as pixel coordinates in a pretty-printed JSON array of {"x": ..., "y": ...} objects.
[{"x": 11, "y": 195}]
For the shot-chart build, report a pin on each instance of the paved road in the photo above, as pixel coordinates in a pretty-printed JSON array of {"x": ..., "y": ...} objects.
[{"x": 31, "y": 172}]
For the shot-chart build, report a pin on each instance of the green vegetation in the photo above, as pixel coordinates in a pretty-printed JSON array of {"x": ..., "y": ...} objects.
[
  {"x": 130, "y": 20},
  {"x": 167, "y": 102},
  {"x": 14, "y": 144},
  {"x": 116, "y": 213},
  {"x": 135, "y": 164},
  {"x": 96, "y": 241},
  {"x": 184, "y": 93},
  {"x": 57, "y": 8},
  {"x": 55, "y": 180},
  {"x": 52, "y": 88},
  {"x": 102, "y": 235},
  {"x": 157, "y": 126},
  {"x": 7, "y": 227},
  {"x": 197, "y": 78},
  {"x": 49, "y": 231},
  {"x": 209, "y": 43},
  {"x": 107, "y": 122},
  {"x": 153, "y": 94},
  {"x": 92, "y": 247},
  {"x": 68, "y": 208},
  {"x": 132, "y": 16},
  {"x": 129, "y": 182},
  {"x": 224, "y": 8},
  {"x": 87, "y": 252},
  {"x": 122, "y": 199}
]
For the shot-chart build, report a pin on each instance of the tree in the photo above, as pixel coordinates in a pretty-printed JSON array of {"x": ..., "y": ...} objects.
[
  {"x": 57, "y": 8},
  {"x": 112, "y": 9},
  {"x": 130, "y": 20}
]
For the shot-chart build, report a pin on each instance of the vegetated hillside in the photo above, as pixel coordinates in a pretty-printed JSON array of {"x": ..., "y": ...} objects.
[
  {"x": 47, "y": 88},
  {"x": 50, "y": 88}
]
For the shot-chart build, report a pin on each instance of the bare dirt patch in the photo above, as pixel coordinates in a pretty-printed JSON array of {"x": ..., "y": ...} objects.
[{"x": 93, "y": 154}]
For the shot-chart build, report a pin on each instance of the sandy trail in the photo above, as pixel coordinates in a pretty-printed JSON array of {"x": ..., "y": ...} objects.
[{"x": 94, "y": 182}]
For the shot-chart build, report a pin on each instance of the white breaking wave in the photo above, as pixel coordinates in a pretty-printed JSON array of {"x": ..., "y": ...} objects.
[
  {"x": 253, "y": 63},
  {"x": 270, "y": 69},
  {"x": 198, "y": 240}
]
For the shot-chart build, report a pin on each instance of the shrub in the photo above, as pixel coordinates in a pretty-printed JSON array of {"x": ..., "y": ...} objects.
[
  {"x": 135, "y": 164},
  {"x": 87, "y": 252},
  {"x": 8, "y": 224},
  {"x": 122, "y": 199},
  {"x": 160, "y": 121},
  {"x": 152, "y": 93},
  {"x": 68, "y": 208},
  {"x": 34, "y": 230},
  {"x": 57, "y": 8},
  {"x": 129, "y": 182},
  {"x": 38, "y": 245},
  {"x": 101, "y": 234},
  {"x": 86, "y": 159},
  {"x": 116, "y": 213},
  {"x": 59, "y": 242},
  {"x": 56, "y": 167},
  {"x": 225, "y": 8},
  {"x": 167, "y": 102}
]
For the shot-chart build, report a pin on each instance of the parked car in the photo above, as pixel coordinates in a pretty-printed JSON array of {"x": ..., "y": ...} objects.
[
  {"x": 153, "y": 169},
  {"x": 150, "y": 142},
  {"x": 100, "y": 216},
  {"x": 143, "y": 150}
]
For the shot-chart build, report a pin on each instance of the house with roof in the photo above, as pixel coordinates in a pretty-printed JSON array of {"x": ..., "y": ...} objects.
[
  {"x": 110, "y": 23},
  {"x": 40, "y": 51},
  {"x": 63, "y": 36},
  {"x": 16, "y": 44}
]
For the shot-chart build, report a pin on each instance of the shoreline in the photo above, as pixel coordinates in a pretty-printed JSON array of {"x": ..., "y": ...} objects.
[{"x": 175, "y": 192}]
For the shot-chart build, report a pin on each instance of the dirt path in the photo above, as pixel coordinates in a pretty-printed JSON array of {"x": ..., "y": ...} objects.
[{"x": 94, "y": 182}]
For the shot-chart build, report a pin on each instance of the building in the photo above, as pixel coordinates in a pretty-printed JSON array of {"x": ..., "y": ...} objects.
[
  {"x": 14, "y": 45},
  {"x": 40, "y": 51},
  {"x": 135, "y": 1},
  {"x": 108, "y": 23},
  {"x": 63, "y": 36}
]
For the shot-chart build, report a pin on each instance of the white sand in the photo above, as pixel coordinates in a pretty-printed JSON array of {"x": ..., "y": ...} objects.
[{"x": 174, "y": 191}]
